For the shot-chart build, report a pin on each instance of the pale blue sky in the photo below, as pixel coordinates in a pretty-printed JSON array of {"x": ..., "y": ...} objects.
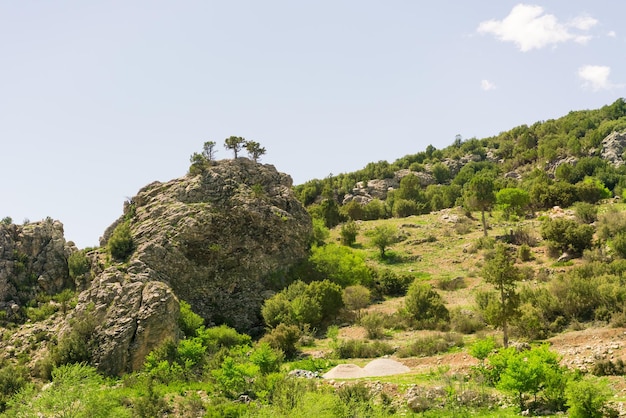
[{"x": 99, "y": 98}]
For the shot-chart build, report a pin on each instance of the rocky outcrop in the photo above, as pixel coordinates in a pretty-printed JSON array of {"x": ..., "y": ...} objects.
[
  {"x": 219, "y": 240},
  {"x": 613, "y": 148},
  {"x": 33, "y": 260}
]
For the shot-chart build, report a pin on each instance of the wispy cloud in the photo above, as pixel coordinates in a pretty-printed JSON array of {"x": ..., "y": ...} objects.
[
  {"x": 487, "y": 85},
  {"x": 596, "y": 78},
  {"x": 529, "y": 28},
  {"x": 611, "y": 34}
]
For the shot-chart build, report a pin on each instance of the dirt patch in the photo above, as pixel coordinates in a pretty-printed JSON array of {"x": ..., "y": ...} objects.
[{"x": 378, "y": 367}]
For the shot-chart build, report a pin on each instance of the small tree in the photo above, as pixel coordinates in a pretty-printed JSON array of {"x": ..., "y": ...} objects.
[
  {"x": 513, "y": 201},
  {"x": 587, "y": 398},
  {"x": 209, "y": 151},
  {"x": 356, "y": 298},
  {"x": 479, "y": 195},
  {"x": 349, "y": 231},
  {"x": 503, "y": 275},
  {"x": 255, "y": 150},
  {"x": 382, "y": 237},
  {"x": 424, "y": 304},
  {"x": 121, "y": 242},
  {"x": 234, "y": 143}
]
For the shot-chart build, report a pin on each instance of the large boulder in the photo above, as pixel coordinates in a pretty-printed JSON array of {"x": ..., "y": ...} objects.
[
  {"x": 220, "y": 240},
  {"x": 613, "y": 148},
  {"x": 33, "y": 260}
]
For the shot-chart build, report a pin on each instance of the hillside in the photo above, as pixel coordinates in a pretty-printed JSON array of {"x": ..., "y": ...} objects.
[{"x": 222, "y": 294}]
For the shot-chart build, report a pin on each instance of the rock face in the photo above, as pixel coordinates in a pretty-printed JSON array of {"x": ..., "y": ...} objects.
[
  {"x": 33, "y": 260},
  {"x": 613, "y": 148},
  {"x": 218, "y": 240}
]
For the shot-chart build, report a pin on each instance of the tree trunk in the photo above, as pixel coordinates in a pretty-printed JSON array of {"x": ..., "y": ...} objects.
[{"x": 484, "y": 222}]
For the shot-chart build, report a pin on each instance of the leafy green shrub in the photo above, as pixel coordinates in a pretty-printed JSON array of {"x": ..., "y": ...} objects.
[
  {"x": 78, "y": 264},
  {"x": 356, "y": 297},
  {"x": 373, "y": 324},
  {"x": 223, "y": 336},
  {"x": 266, "y": 358},
  {"x": 618, "y": 244},
  {"x": 567, "y": 235},
  {"x": 611, "y": 223},
  {"x": 121, "y": 243},
  {"x": 425, "y": 305},
  {"x": 320, "y": 232},
  {"x": 431, "y": 345},
  {"x": 189, "y": 321},
  {"x": 609, "y": 368},
  {"x": 588, "y": 398},
  {"x": 363, "y": 349},
  {"x": 41, "y": 312},
  {"x": 391, "y": 283},
  {"x": 12, "y": 380},
  {"x": 465, "y": 321},
  {"x": 586, "y": 213},
  {"x": 524, "y": 253},
  {"x": 283, "y": 337},
  {"x": 451, "y": 284},
  {"x": 340, "y": 265},
  {"x": 348, "y": 233},
  {"x": 77, "y": 345}
]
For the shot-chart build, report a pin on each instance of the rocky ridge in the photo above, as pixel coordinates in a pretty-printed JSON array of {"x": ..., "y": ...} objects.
[{"x": 219, "y": 240}]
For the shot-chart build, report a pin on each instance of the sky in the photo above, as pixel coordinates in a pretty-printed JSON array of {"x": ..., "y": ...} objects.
[{"x": 99, "y": 98}]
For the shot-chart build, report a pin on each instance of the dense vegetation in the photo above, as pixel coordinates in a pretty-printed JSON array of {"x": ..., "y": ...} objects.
[{"x": 438, "y": 283}]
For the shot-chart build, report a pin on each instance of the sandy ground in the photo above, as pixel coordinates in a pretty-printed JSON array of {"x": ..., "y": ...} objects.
[{"x": 378, "y": 367}]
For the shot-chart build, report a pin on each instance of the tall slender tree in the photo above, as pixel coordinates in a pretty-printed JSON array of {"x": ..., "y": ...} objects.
[
  {"x": 500, "y": 271},
  {"x": 255, "y": 150},
  {"x": 234, "y": 143},
  {"x": 479, "y": 195},
  {"x": 209, "y": 151}
]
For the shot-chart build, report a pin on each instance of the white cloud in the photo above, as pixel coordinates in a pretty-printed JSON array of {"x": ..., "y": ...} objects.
[
  {"x": 529, "y": 28},
  {"x": 596, "y": 77},
  {"x": 487, "y": 85},
  {"x": 611, "y": 34}
]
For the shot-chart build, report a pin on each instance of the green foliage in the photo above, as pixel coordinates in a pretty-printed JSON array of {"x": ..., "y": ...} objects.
[
  {"x": 391, "y": 283},
  {"x": 588, "y": 398},
  {"x": 348, "y": 233},
  {"x": 189, "y": 322},
  {"x": 356, "y": 297},
  {"x": 283, "y": 338},
  {"x": 120, "y": 243},
  {"x": 373, "y": 324},
  {"x": 223, "y": 336},
  {"x": 77, "y": 345},
  {"x": 382, "y": 236},
  {"x": 320, "y": 232},
  {"x": 255, "y": 150},
  {"x": 479, "y": 195},
  {"x": 266, "y": 358},
  {"x": 340, "y": 265},
  {"x": 586, "y": 213},
  {"x": 233, "y": 378},
  {"x": 363, "y": 349},
  {"x": 328, "y": 211},
  {"x": 513, "y": 201},
  {"x": 481, "y": 349},
  {"x": 591, "y": 190},
  {"x": 618, "y": 244},
  {"x": 567, "y": 235},
  {"x": 12, "y": 379},
  {"x": 431, "y": 345},
  {"x": 78, "y": 264},
  {"x": 7, "y": 220},
  {"x": 235, "y": 144},
  {"x": 426, "y": 306},
  {"x": 500, "y": 271}
]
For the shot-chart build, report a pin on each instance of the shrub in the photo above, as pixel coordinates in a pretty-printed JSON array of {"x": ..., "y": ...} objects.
[
  {"x": 609, "y": 368},
  {"x": 450, "y": 284},
  {"x": 121, "y": 243},
  {"x": 586, "y": 212},
  {"x": 284, "y": 338},
  {"x": 466, "y": 322},
  {"x": 189, "y": 321},
  {"x": 391, "y": 283},
  {"x": 588, "y": 398},
  {"x": 373, "y": 324},
  {"x": 363, "y": 349},
  {"x": 425, "y": 305},
  {"x": 524, "y": 253},
  {"x": 356, "y": 297},
  {"x": 348, "y": 233},
  {"x": 618, "y": 244},
  {"x": 320, "y": 232},
  {"x": 12, "y": 380},
  {"x": 431, "y": 345},
  {"x": 78, "y": 264},
  {"x": 567, "y": 235},
  {"x": 222, "y": 336},
  {"x": 340, "y": 265}
]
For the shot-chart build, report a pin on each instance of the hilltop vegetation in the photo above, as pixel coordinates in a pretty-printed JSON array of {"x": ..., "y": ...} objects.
[{"x": 487, "y": 268}]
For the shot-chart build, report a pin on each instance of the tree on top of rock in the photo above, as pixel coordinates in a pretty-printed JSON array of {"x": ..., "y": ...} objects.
[
  {"x": 234, "y": 143},
  {"x": 255, "y": 150}
]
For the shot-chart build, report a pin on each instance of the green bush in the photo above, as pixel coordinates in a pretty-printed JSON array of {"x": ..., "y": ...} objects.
[
  {"x": 363, "y": 349},
  {"x": 586, "y": 213},
  {"x": 12, "y": 380},
  {"x": 588, "y": 398},
  {"x": 348, "y": 232},
  {"x": 120, "y": 243},
  {"x": 78, "y": 264},
  {"x": 373, "y": 324},
  {"x": 568, "y": 235},
  {"x": 431, "y": 345},
  {"x": 451, "y": 284},
  {"x": 222, "y": 336},
  {"x": 284, "y": 338},
  {"x": 340, "y": 265},
  {"x": 465, "y": 321},
  {"x": 189, "y": 321},
  {"x": 391, "y": 283},
  {"x": 524, "y": 253},
  {"x": 425, "y": 305},
  {"x": 618, "y": 244}
]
